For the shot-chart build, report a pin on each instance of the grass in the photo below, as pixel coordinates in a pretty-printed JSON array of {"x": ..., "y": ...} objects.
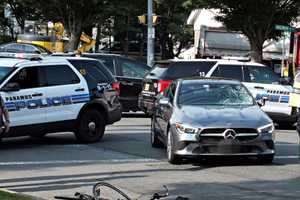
[{"x": 8, "y": 196}]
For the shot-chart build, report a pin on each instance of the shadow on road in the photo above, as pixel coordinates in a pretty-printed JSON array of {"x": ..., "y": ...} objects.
[
  {"x": 135, "y": 115},
  {"x": 246, "y": 190}
]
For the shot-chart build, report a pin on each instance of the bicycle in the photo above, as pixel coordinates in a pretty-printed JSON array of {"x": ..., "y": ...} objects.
[{"x": 100, "y": 185}]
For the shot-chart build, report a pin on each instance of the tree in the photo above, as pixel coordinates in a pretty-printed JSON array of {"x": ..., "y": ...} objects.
[
  {"x": 256, "y": 19},
  {"x": 172, "y": 29},
  {"x": 23, "y": 10},
  {"x": 126, "y": 27},
  {"x": 75, "y": 15}
]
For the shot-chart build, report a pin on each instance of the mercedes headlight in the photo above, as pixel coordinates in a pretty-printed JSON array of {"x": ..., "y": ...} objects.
[
  {"x": 185, "y": 129},
  {"x": 269, "y": 128}
]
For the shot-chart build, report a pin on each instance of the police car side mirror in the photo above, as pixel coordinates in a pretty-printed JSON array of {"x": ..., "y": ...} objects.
[
  {"x": 285, "y": 81},
  {"x": 262, "y": 102},
  {"x": 11, "y": 87}
]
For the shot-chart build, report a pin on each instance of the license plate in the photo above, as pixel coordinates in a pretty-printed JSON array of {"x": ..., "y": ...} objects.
[{"x": 147, "y": 87}]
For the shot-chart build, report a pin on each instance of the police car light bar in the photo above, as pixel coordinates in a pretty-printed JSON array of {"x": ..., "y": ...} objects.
[{"x": 31, "y": 57}]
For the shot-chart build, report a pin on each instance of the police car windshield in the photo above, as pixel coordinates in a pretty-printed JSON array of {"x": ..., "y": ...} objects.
[{"x": 4, "y": 72}]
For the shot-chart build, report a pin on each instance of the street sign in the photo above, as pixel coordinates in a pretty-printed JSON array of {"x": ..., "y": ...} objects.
[{"x": 285, "y": 28}]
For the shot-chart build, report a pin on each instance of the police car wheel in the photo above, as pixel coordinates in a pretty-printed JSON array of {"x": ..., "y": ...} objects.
[
  {"x": 91, "y": 127},
  {"x": 266, "y": 159}
]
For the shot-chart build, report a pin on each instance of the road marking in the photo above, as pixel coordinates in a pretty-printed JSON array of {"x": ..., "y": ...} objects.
[
  {"x": 287, "y": 157},
  {"x": 280, "y": 144},
  {"x": 78, "y": 161}
]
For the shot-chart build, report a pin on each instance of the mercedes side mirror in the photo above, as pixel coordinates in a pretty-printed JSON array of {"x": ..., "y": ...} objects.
[
  {"x": 11, "y": 87},
  {"x": 262, "y": 102}
]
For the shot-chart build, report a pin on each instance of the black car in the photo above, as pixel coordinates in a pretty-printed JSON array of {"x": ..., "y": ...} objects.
[
  {"x": 159, "y": 78},
  {"x": 94, "y": 72},
  {"x": 211, "y": 117},
  {"x": 129, "y": 73},
  {"x": 16, "y": 47}
]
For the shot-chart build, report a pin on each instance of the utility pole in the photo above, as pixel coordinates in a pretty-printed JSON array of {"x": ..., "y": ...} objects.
[{"x": 151, "y": 35}]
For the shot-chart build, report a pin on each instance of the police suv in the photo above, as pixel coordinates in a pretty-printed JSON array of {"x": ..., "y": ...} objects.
[
  {"x": 50, "y": 95},
  {"x": 259, "y": 79}
]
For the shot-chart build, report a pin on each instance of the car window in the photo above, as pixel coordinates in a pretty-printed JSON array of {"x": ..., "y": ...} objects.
[
  {"x": 109, "y": 63},
  {"x": 5, "y": 72},
  {"x": 14, "y": 48},
  {"x": 231, "y": 72},
  {"x": 27, "y": 78},
  {"x": 59, "y": 75},
  {"x": 217, "y": 94},
  {"x": 29, "y": 49},
  {"x": 93, "y": 70},
  {"x": 187, "y": 69},
  {"x": 158, "y": 71},
  {"x": 258, "y": 74},
  {"x": 133, "y": 69}
]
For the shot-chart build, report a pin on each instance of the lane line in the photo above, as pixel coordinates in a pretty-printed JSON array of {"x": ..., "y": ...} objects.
[
  {"x": 286, "y": 144},
  {"x": 78, "y": 161},
  {"x": 287, "y": 157}
]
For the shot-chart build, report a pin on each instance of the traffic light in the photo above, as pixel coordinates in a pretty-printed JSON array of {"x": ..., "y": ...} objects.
[{"x": 143, "y": 19}]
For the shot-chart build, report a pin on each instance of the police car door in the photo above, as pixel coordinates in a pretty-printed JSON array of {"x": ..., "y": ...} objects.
[
  {"x": 263, "y": 82},
  {"x": 23, "y": 96},
  {"x": 66, "y": 93}
]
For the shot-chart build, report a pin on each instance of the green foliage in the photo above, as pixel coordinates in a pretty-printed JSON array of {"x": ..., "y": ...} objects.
[
  {"x": 23, "y": 10},
  {"x": 173, "y": 30},
  {"x": 9, "y": 196},
  {"x": 256, "y": 18},
  {"x": 5, "y": 39}
]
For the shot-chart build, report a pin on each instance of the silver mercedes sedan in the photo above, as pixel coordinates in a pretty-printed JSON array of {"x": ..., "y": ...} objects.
[{"x": 211, "y": 117}]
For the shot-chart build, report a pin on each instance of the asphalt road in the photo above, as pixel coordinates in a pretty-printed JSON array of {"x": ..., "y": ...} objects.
[{"x": 57, "y": 165}]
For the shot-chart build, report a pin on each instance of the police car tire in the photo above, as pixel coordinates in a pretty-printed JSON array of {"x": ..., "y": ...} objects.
[
  {"x": 83, "y": 133},
  {"x": 266, "y": 159}
]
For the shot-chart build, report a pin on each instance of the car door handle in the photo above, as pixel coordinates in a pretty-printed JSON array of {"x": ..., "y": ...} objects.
[
  {"x": 37, "y": 95},
  {"x": 259, "y": 87},
  {"x": 79, "y": 90},
  {"x": 127, "y": 83}
]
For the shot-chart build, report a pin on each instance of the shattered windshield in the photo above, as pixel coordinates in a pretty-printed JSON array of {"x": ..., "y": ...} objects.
[{"x": 195, "y": 93}]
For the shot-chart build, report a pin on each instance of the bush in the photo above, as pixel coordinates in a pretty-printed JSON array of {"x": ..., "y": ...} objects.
[{"x": 5, "y": 39}]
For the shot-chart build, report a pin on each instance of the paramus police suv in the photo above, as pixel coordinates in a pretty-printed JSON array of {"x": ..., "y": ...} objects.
[{"x": 50, "y": 95}]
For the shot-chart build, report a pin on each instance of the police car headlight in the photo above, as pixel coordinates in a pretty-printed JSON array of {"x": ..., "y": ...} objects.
[
  {"x": 269, "y": 128},
  {"x": 185, "y": 129},
  {"x": 297, "y": 91}
]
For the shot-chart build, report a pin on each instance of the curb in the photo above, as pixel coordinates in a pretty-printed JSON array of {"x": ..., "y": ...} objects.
[{"x": 21, "y": 194}]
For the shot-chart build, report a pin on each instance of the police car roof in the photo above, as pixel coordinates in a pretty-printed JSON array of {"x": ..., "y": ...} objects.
[
  {"x": 10, "y": 62},
  {"x": 219, "y": 61},
  {"x": 18, "y": 62},
  {"x": 68, "y": 58}
]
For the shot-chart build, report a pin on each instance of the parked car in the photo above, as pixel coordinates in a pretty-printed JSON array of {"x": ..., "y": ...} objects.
[
  {"x": 16, "y": 47},
  {"x": 129, "y": 73},
  {"x": 260, "y": 80},
  {"x": 47, "y": 95},
  {"x": 94, "y": 72},
  {"x": 211, "y": 117}
]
